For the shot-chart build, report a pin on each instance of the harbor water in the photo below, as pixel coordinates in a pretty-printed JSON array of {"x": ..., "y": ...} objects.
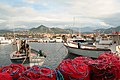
[{"x": 55, "y": 53}]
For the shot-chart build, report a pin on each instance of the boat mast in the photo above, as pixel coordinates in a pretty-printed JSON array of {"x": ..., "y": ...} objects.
[
  {"x": 14, "y": 39},
  {"x": 14, "y": 33},
  {"x": 73, "y": 24},
  {"x": 118, "y": 43}
]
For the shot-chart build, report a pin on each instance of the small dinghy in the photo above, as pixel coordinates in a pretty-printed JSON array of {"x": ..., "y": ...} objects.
[
  {"x": 17, "y": 57},
  {"x": 35, "y": 57}
]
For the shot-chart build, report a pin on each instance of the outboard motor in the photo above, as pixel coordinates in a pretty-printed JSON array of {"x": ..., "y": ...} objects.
[{"x": 40, "y": 53}]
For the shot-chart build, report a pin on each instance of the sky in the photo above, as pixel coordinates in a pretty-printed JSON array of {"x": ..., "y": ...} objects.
[{"x": 59, "y": 13}]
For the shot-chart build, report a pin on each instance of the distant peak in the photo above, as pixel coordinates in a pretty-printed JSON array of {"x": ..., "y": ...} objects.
[{"x": 41, "y": 26}]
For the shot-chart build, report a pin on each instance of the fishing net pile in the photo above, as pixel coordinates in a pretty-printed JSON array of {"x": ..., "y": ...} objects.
[
  {"x": 74, "y": 70},
  {"x": 20, "y": 72},
  {"x": 105, "y": 67}
]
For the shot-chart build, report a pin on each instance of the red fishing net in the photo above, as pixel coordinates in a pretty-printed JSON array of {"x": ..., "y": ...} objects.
[
  {"x": 106, "y": 67},
  {"x": 74, "y": 70},
  {"x": 85, "y": 60},
  {"x": 5, "y": 76},
  {"x": 13, "y": 70},
  {"x": 38, "y": 73}
]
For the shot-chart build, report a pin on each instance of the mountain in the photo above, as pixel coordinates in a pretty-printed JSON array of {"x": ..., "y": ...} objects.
[
  {"x": 83, "y": 29},
  {"x": 41, "y": 29},
  {"x": 44, "y": 29},
  {"x": 4, "y": 31},
  {"x": 89, "y": 29},
  {"x": 18, "y": 29},
  {"x": 109, "y": 30},
  {"x": 61, "y": 31}
]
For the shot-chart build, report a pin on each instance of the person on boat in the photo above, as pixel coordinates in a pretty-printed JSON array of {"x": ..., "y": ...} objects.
[
  {"x": 23, "y": 46},
  {"x": 64, "y": 39},
  {"x": 18, "y": 44},
  {"x": 27, "y": 48},
  {"x": 79, "y": 45}
]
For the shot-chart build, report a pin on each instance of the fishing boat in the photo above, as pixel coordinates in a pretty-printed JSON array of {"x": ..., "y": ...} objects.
[
  {"x": 34, "y": 58},
  {"x": 89, "y": 51},
  {"x": 17, "y": 57},
  {"x": 95, "y": 49}
]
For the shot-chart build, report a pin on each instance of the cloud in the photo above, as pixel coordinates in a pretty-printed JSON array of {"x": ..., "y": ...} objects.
[
  {"x": 60, "y": 13},
  {"x": 112, "y": 19},
  {"x": 31, "y": 1},
  {"x": 105, "y": 24},
  {"x": 94, "y": 8},
  {"x": 1, "y": 21}
]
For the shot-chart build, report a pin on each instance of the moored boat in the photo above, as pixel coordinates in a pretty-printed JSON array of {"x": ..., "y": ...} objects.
[
  {"x": 93, "y": 50},
  {"x": 58, "y": 39},
  {"x": 90, "y": 51},
  {"x": 3, "y": 40},
  {"x": 17, "y": 57},
  {"x": 33, "y": 59}
]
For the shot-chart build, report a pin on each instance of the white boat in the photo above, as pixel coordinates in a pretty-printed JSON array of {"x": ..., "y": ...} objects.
[
  {"x": 40, "y": 40},
  {"x": 3, "y": 40},
  {"x": 46, "y": 40},
  {"x": 59, "y": 39},
  {"x": 52, "y": 40},
  {"x": 90, "y": 51},
  {"x": 94, "y": 50},
  {"x": 103, "y": 43},
  {"x": 103, "y": 40}
]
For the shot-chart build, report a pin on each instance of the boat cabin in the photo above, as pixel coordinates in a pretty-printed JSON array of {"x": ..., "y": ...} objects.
[
  {"x": 116, "y": 42},
  {"x": 115, "y": 38}
]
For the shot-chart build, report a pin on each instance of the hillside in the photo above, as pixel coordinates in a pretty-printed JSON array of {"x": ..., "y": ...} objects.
[
  {"x": 83, "y": 29},
  {"x": 109, "y": 30},
  {"x": 44, "y": 29},
  {"x": 4, "y": 31},
  {"x": 41, "y": 29}
]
